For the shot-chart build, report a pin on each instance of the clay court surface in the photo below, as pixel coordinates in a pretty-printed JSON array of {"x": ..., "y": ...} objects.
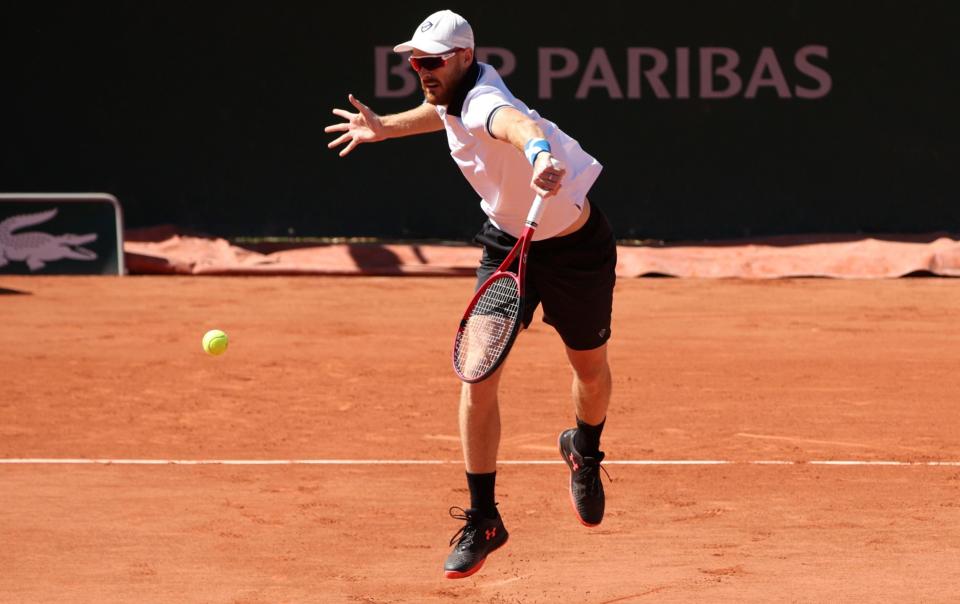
[{"x": 327, "y": 369}]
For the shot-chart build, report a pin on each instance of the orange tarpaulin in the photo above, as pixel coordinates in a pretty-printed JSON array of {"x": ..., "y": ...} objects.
[{"x": 852, "y": 257}]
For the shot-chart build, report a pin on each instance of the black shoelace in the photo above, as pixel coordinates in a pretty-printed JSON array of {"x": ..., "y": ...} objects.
[
  {"x": 467, "y": 532},
  {"x": 591, "y": 475}
]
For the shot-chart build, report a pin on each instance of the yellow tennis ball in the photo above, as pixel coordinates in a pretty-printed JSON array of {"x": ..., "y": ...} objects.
[{"x": 215, "y": 342}]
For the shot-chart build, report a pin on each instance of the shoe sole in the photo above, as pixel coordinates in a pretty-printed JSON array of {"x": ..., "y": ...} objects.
[
  {"x": 573, "y": 502},
  {"x": 455, "y": 574}
]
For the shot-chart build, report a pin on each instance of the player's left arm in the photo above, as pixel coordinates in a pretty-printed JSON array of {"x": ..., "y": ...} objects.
[{"x": 512, "y": 126}]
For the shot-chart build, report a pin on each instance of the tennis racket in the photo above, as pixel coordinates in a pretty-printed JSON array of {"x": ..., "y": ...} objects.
[{"x": 492, "y": 319}]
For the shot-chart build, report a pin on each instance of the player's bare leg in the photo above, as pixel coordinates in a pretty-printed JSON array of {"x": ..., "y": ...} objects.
[
  {"x": 592, "y": 383},
  {"x": 480, "y": 424},
  {"x": 580, "y": 446},
  {"x": 483, "y": 531}
]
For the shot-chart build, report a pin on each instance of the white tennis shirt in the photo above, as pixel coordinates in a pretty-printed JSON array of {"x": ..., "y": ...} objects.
[{"x": 499, "y": 172}]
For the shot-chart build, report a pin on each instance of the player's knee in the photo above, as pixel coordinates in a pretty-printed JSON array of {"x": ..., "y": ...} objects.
[
  {"x": 481, "y": 394},
  {"x": 592, "y": 373}
]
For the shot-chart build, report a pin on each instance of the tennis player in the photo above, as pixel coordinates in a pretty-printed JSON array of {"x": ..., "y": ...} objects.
[{"x": 505, "y": 149}]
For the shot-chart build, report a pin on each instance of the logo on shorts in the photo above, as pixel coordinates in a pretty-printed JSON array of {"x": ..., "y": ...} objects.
[
  {"x": 426, "y": 25},
  {"x": 603, "y": 332}
]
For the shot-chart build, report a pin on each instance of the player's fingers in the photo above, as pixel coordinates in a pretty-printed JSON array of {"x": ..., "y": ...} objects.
[
  {"x": 548, "y": 192},
  {"x": 549, "y": 179},
  {"x": 339, "y": 140},
  {"x": 349, "y": 147},
  {"x": 554, "y": 173},
  {"x": 341, "y": 127},
  {"x": 552, "y": 180},
  {"x": 546, "y": 183},
  {"x": 344, "y": 114},
  {"x": 551, "y": 170},
  {"x": 363, "y": 109}
]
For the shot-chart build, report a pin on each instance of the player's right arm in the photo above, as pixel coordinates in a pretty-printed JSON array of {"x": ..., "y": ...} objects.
[{"x": 365, "y": 126}]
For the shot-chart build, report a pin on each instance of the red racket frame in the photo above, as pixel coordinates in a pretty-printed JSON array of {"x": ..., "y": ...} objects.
[{"x": 521, "y": 248}]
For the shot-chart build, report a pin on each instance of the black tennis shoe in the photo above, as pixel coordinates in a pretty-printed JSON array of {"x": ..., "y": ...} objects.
[
  {"x": 473, "y": 542},
  {"x": 586, "y": 490}
]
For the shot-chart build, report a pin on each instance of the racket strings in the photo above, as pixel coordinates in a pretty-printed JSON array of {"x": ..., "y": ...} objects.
[{"x": 487, "y": 332}]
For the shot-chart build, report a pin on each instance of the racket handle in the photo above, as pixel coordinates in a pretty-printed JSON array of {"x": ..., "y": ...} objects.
[{"x": 536, "y": 210}]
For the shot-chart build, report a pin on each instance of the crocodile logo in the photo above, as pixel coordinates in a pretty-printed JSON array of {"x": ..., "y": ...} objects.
[{"x": 37, "y": 248}]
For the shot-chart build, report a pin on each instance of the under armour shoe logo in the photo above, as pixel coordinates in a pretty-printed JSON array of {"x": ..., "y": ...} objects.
[
  {"x": 491, "y": 533},
  {"x": 576, "y": 466}
]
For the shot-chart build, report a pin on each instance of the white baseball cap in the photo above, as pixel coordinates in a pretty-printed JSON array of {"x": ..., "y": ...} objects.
[{"x": 441, "y": 32}]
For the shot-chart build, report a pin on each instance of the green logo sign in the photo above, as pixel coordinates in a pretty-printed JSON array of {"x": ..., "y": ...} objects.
[{"x": 65, "y": 234}]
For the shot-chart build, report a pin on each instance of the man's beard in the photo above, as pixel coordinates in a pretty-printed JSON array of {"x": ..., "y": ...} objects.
[
  {"x": 436, "y": 96},
  {"x": 444, "y": 94}
]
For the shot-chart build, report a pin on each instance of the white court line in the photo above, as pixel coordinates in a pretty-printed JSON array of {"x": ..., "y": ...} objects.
[{"x": 431, "y": 462}]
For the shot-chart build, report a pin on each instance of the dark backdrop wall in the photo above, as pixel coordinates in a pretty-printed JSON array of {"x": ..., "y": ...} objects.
[{"x": 713, "y": 119}]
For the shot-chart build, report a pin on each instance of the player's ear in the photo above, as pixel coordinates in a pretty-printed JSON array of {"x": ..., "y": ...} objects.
[{"x": 467, "y": 56}]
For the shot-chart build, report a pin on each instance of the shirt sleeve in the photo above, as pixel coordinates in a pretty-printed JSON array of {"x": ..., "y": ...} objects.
[{"x": 480, "y": 106}]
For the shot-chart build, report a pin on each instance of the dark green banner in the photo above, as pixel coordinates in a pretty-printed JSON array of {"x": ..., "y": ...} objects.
[{"x": 713, "y": 120}]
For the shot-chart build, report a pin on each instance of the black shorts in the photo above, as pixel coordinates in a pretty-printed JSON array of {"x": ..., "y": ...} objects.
[{"x": 572, "y": 276}]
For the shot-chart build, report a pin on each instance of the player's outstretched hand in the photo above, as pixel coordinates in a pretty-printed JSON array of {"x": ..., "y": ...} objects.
[
  {"x": 548, "y": 173},
  {"x": 362, "y": 127}
]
